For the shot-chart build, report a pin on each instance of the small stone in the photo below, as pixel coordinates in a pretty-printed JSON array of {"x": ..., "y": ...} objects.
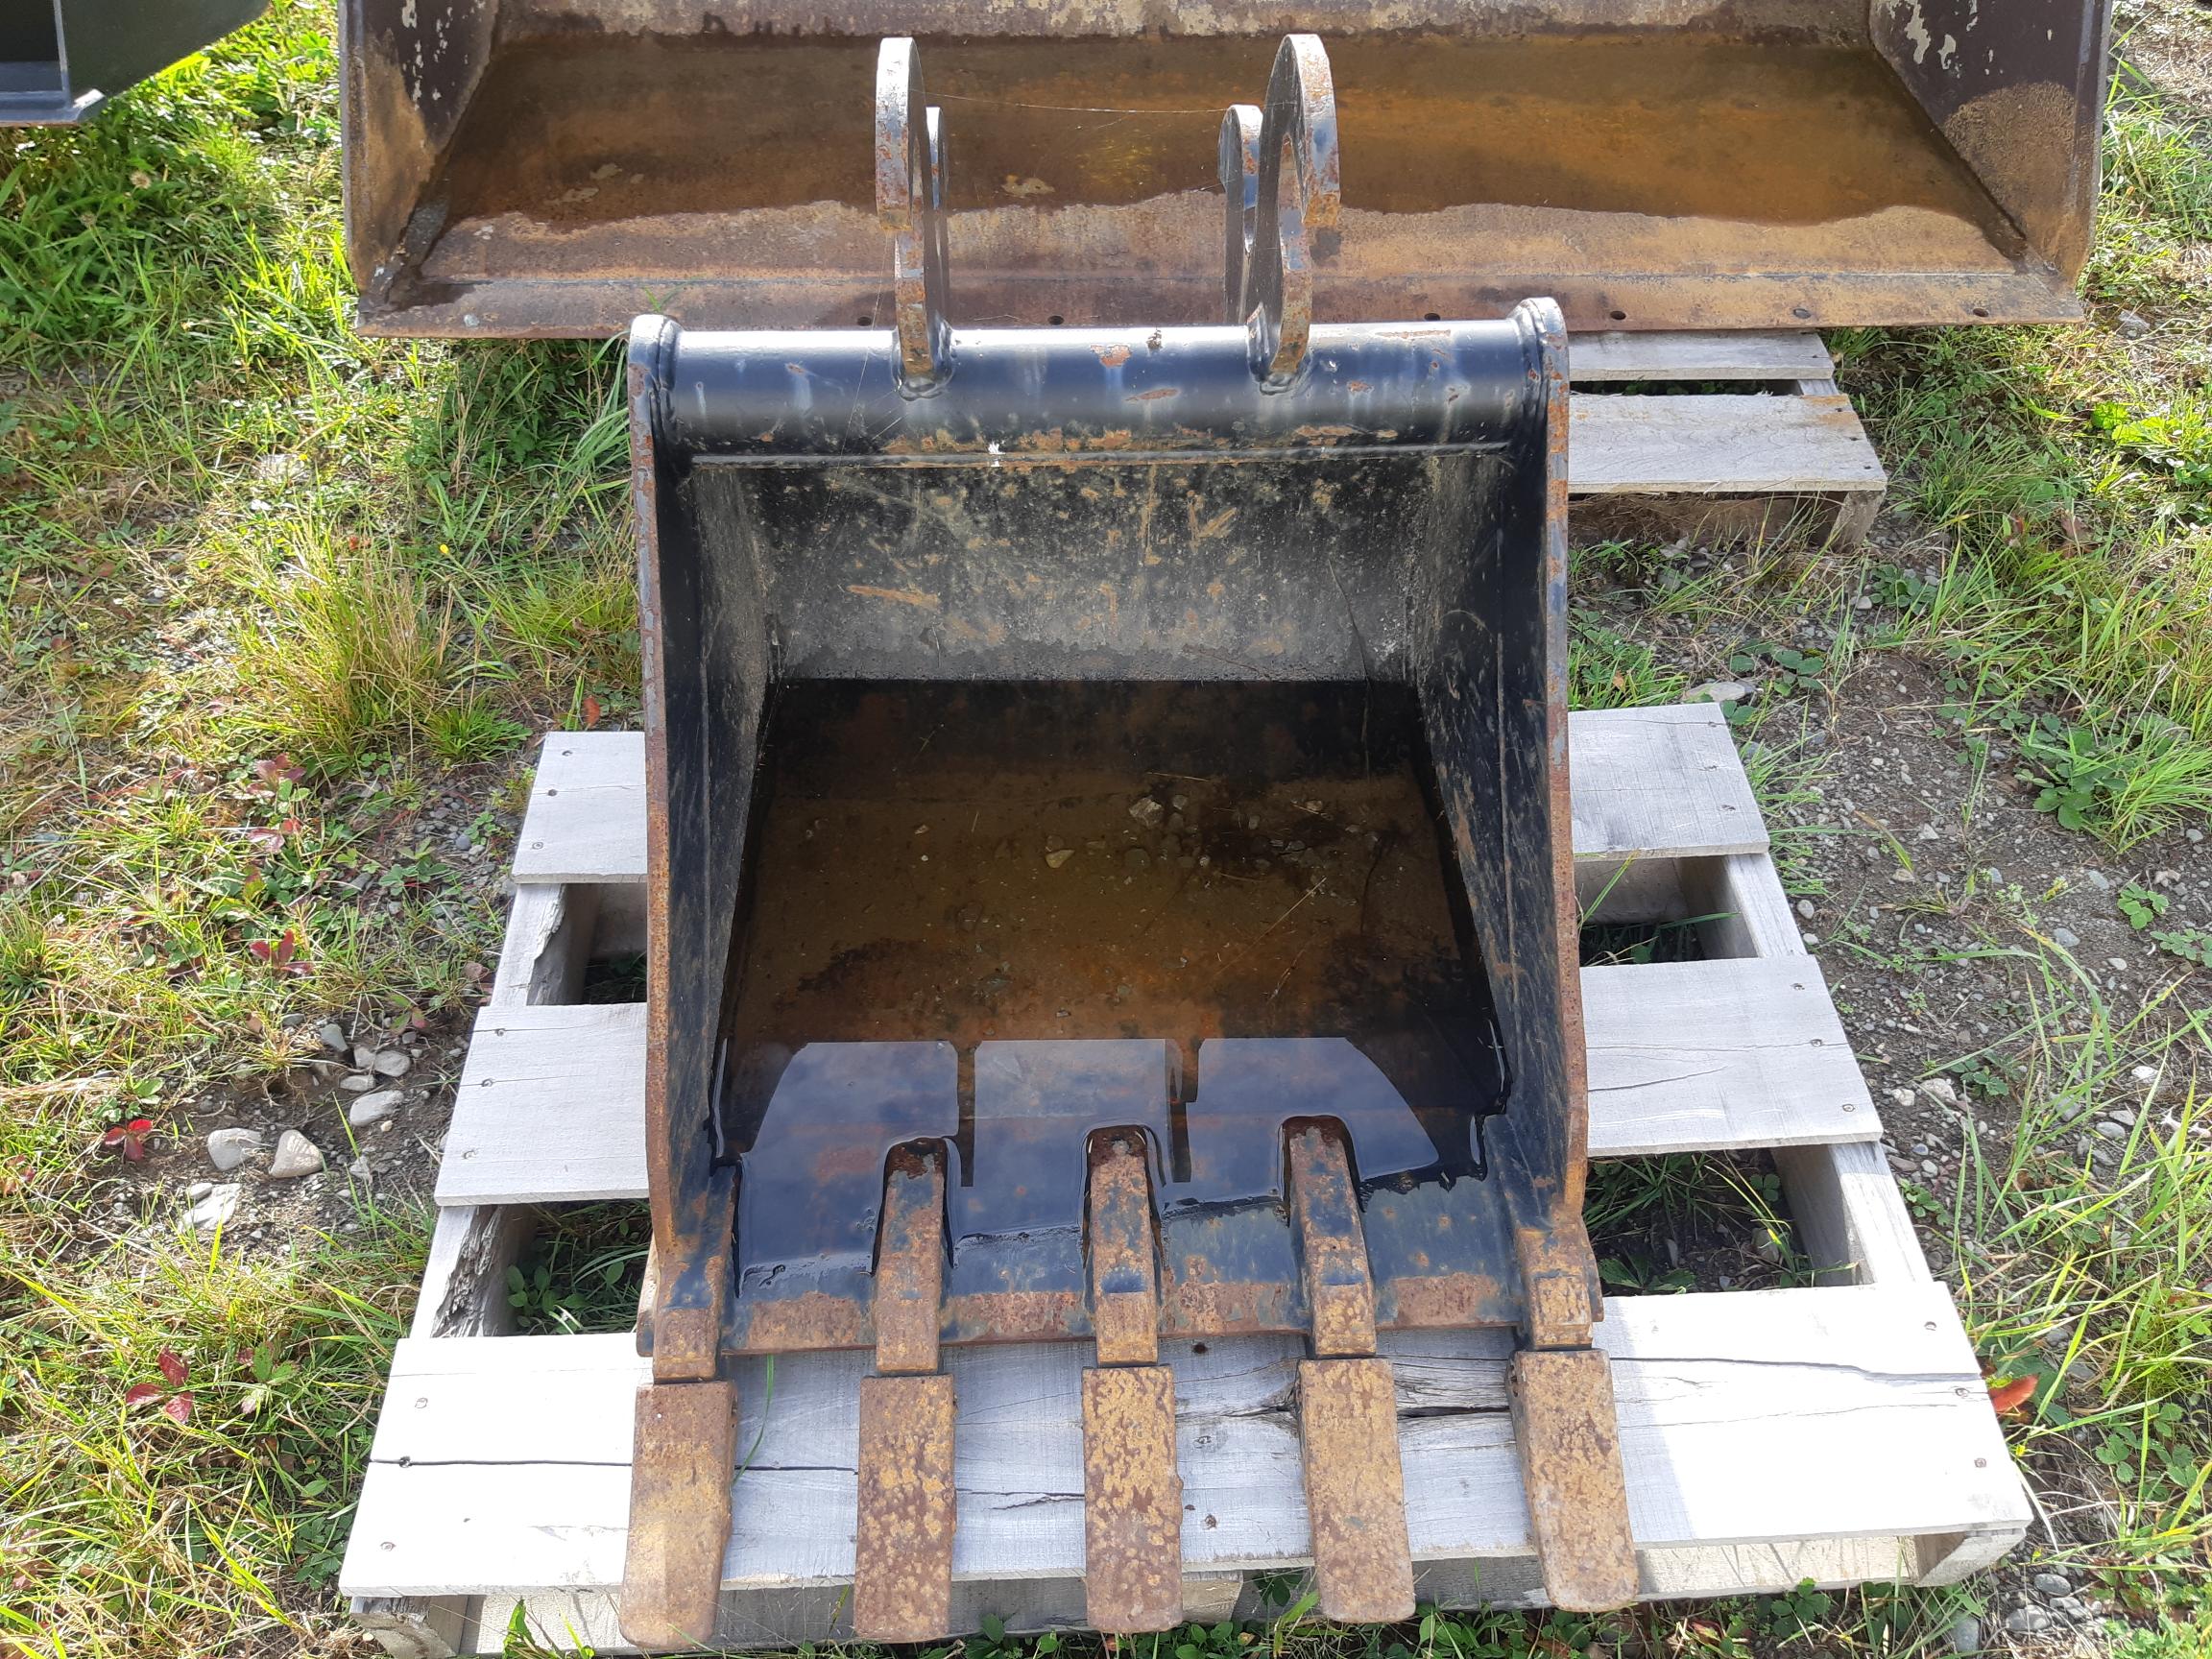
[
  {"x": 227, "y": 1148},
  {"x": 357, "y": 1083},
  {"x": 1865, "y": 602},
  {"x": 1929, "y": 833},
  {"x": 375, "y": 1108},
  {"x": 1137, "y": 858},
  {"x": 216, "y": 1206},
  {"x": 1966, "y": 1634},
  {"x": 2195, "y": 834},
  {"x": 1058, "y": 856},
  {"x": 2071, "y": 1606},
  {"x": 1178, "y": 801},
  {"x": 360, "y": 1170},
  {"x": 332, "y": 1036},
  {"x": 2121, "y": 1115},
  {"x": 2132, "y": 327},
  {"x": 2052, "y": 1584},
  {"x": 394, "y": 1063},
  {"x": 1147, "y": 811},
  {"x": 364, "y": 1056},
  {"x": 1903, "y": 877},
  {"x": 2098, "y": 879},
  {"x": 1928, "y": 1166},
  {"x": 1123, "y": 993},
  {"x": 1766, "y": 1248},
  {"x": 2112, "y": 1131},
  {"x": 1942, "y": 1089},
  {"x": 1719, "y": 691},
  {"x": 2066, "y": 938},
  {"x": 2027, "y": 1620},
  {"x": 295, "y": 1155},
  {"x": 2147, "y": 1075},
  {"x": 1903, "y": 1096},
  {"x": 1804, "y": 908},
  {"x": 199, "y": 1189}
]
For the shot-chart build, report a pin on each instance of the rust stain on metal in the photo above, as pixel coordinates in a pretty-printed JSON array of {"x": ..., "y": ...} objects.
[
  {"x": 1015, "y": 1316},
  {"x": 1355, "y": 1490},
  {"x": 1124, "y": 1264},
  {"x": 1332, "y": 1247},
  {"x": 1567, "y": 1428},
  {"x": 1154, "y": 396},
  {"x": 680, "y": 1473},
  {"x": 1559, "y": 1275},
  {"x": 902, "y": 1539},
  {"x": 802, "y": 1324},
  {"x": 910, "y": 1264},
  {"x": 1445, "y": 1299},
  {"x": 1132, "y": 1501},
  {"x": 1112, "y": 356}
]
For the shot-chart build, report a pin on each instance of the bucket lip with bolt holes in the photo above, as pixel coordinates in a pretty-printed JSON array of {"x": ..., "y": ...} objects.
[
  {"x": 925, "y": 505},
  {"x": 1792, "y": 162}
]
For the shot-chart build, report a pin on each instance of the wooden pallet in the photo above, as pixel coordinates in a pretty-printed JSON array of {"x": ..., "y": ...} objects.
[
  {"x": 1796, "y": 439},
  {"x": 1839, "y": 1433}
]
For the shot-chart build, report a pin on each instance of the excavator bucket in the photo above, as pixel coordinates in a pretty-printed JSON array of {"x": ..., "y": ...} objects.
[
  {"x": 61, "y": 59},
  {"x": 554, "y": 167},
  {"x": 1109, "y": 883}
]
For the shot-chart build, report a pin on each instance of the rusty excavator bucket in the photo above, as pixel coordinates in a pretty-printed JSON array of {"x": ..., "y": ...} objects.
[
  {"x": 554, "y": 167},
  {"x": 1110, "y": 883}
]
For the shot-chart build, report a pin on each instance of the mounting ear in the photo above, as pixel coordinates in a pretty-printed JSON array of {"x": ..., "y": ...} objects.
[
  {"x": 1283, "y": 202},
  {"x": 910, "y": 202}
]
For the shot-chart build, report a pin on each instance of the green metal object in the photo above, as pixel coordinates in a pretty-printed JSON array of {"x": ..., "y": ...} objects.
[{"x": 61, "y": 60}]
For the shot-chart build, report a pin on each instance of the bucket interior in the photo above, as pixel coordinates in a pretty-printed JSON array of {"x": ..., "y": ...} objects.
[{"x": 1650, "y": 178}]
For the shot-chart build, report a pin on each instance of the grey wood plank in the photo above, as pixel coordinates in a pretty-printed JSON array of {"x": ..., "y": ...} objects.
[
  {"x": 1693, "y": 1056},
  {"x": 586, "y": 821},
  {"x": 550, "y": 1107},
  {"x": 1659, "y": 782},
  {"x": 1719, "y": 444},
  {"x": 1744, "y": 1419},
  {"x": 1593, "y": 359}
]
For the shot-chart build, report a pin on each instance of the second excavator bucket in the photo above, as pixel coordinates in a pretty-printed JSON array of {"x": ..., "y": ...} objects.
[
  {"x": 554, "y": 167},
  {"x": 1109, "y": 883}
]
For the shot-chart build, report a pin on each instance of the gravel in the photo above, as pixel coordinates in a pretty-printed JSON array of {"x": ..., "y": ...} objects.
[{"x": 373, "y": 1108}]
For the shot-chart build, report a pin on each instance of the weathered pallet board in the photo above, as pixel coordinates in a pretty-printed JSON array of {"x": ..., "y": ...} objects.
[
  {"x": 1743, "y": 1418},
  {"x": 1594, "y": 359},
  {"x": 1724, "y": 444}
]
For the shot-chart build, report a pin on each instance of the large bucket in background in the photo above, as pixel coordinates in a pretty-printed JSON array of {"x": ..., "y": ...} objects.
[
  {"x": 61, "y": 60},
  {"x": 1109, "y": 881},
  {"x": 554, "y": 167}
]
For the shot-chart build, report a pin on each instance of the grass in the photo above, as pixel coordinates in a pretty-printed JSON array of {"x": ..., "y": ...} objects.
[{"x": 271, "y": 594}]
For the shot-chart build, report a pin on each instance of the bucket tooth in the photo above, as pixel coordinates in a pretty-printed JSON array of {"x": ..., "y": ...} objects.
[
  {"x": 1132, "y": 1501},
  {"x": 1567, "y": 1427},
  {"x": 1565, "y": 1424},
  {"x": 685, "y": 1458},
  {"x": 902, "y": 1539},
  {"x": 902, "y": 1546},
  {"x": 1132, "y": 1495},
  {"x": 1355, "y": 1490},
  {"x": 1347, "y": 1401}
]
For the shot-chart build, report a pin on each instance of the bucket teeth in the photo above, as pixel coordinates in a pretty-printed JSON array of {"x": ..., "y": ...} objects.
[
  {"x": 903, "y": 1540},
  {"x": 1355, "y": 1490},
  {"x": 1347, "y": 1402},
  {"x": 1132, "y": 1495},
  {"x": 1132, "y": 1500},
  {"x": 685, "y": 1457},
  {"x": 1565, "y": 1424},
  {"x": 903, "y": 1544}
]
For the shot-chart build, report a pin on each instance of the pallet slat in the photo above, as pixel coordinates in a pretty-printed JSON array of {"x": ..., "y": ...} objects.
[
  {"x": 1722, "y": 444},
  {"x": 1594, "y": 359},
  {"x": 1684, "y": 1056},
  {"x": 1746, "y": 1418}
]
